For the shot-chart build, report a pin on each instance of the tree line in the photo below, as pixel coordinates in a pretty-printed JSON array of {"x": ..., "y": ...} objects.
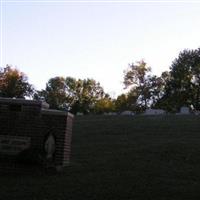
[{"x": 180, "y": 86}]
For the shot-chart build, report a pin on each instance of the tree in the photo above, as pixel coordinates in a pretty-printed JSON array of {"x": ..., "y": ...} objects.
[
  {"x": 183, "y": 87},
  {"x": 163, "y": 100},
  {"x": 14, "y": 83},
  {"x": 138, "y": 78},
  {"x": 135, "y": 74},
  {"x": 157, "y": 87},
  {"x": 55, "y": 93},
  {"x": 104, "y": 105},
  {"x": 87, "y": 92},
  {"x": 121, "y": 103},
  {"x": 71, "y": 94}
]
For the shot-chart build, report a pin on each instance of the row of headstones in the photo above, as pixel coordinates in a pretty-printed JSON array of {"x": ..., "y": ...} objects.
[{"x": 183, "y": 111}]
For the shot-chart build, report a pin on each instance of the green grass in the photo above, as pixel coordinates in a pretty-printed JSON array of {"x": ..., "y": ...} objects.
[{"x": 121, "y": 157}]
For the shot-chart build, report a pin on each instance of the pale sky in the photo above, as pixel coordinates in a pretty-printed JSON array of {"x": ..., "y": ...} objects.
[{"x": 95, "y": 40}]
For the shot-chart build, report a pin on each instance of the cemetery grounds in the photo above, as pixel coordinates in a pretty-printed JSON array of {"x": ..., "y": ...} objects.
[{"x": 119, "y": 158}]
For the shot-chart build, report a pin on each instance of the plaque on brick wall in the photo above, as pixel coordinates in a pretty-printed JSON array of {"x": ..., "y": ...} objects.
[
  {"x": 50, "y": 146},
  {"x": 13, "y": 145}
]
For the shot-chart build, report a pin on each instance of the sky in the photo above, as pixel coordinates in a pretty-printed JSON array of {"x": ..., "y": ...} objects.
[{"x": 95, "y": 39}]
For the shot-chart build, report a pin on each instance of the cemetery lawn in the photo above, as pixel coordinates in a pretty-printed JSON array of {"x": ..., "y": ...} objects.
[{"x": 119, "y": 158}]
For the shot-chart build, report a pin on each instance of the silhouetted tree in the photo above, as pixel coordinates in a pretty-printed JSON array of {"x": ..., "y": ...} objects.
[
  {"x": 71, "y": 94},
  {"x": 121, "y": 103},
  {"x": 87, "y": 93},
  {"x": 104, "y": 105},
  {"x": 138, "y": 78},
  {"x": 14, "y": 83},
  {"x": 54, "y": 93},
  {"x": 183, "y": 86}
]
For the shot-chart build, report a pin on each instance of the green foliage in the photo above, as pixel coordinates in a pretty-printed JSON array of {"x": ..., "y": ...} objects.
[
  {"x": 71, "y": 94},
  {"x": 85, "y": 94},
  {"x": 127, "y": 101},
  {"x": 136, "y": 74},
  {"x": 104, "y": 105},
  {"x": 55, "y": 93},
  {"x": 14, "y": 83},
  {"x": 178, "y": 87},
  {"x": 121, "y": 103},
  {"x": 183, "y": 86},
  {"x": 145, "y": 88}
]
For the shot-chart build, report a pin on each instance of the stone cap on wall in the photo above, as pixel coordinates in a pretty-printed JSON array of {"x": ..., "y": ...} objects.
[
  {"x": 19, "y": 101},
  {"x": 41, "y": 105},
  {"x": 56, "y": 112}
]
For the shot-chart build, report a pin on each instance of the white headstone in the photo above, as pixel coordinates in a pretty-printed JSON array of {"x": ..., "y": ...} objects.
[
  {"x": 79, "y": 113},
  {"x": 184, "y": 110},
  {"x": 127, "y": 112},
  {"x": 112, "y": 113},
  {"x": 154, "y": 112}
]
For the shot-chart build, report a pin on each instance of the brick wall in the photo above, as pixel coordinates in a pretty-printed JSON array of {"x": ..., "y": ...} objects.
[{"x": 26, "y": 131}]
